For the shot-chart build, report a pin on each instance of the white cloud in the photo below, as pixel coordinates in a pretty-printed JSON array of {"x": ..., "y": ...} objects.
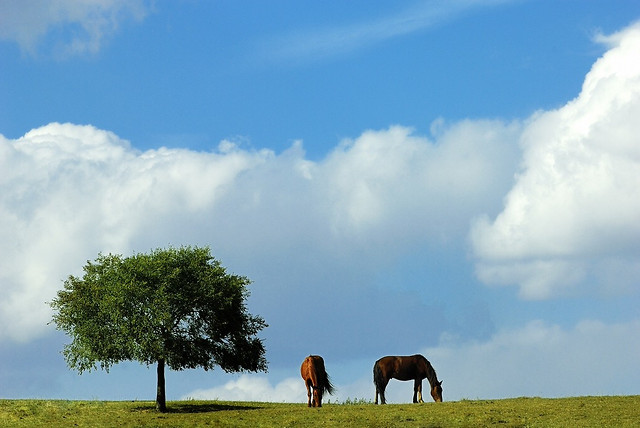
[
  {"x": 576, "y": 198},
  {"x": 84, "y": 25},
  {"x": 249, "y": 387},
  {"x": 254, "y": 388},
  {"x": 410, "y": 184},
  {"x": 542, "y": 359},
  {"x": 68, "y": 192}
]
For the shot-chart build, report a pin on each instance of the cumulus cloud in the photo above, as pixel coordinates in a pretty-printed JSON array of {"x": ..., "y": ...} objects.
[
  {"x": 388, "y": 177},
  {"x": 574, "y": 210},
  {"x": 82, "y": 26},
  {"x": 68, "y": 192}
]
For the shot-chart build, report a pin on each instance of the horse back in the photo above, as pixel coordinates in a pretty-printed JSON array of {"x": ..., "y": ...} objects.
[{"x": 402, "y": 367}]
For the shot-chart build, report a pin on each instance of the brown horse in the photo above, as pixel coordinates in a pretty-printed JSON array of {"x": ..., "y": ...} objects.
[
  {"x": 415, "y": 367},
  {"x": 315, "y": 377}
]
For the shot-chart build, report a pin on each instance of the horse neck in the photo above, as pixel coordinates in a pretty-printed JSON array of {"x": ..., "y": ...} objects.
[{"x": 432, "y": 377}]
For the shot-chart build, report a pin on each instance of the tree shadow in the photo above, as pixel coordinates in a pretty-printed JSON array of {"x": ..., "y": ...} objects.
[
  {"x": 207, "y": 407},
  {"x": 201, "y": 407}
]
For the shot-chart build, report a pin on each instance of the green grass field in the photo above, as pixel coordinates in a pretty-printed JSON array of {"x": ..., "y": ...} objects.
[{"x": 623, "y": 411}]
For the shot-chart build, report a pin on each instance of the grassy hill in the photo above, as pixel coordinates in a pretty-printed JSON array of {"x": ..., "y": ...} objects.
[{"x": 623, "y": 411}]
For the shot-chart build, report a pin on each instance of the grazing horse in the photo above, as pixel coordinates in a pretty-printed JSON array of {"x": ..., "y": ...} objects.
[
  {"x": 316, "y": 378},
  {"x": 415, "y": 367}
]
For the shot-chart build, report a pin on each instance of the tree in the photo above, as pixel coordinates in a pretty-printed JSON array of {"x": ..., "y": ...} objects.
[{"x": 174, "y": 307}]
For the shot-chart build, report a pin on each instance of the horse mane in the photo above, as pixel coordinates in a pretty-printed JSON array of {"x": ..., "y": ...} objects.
[{"x": 432, "y": 377}]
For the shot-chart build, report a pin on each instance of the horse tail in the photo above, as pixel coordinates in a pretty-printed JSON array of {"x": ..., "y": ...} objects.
[
  {"x": 324, "y": 381},
  {"x": 377, "y": 377},
  {"x": 326, "y": 385}
]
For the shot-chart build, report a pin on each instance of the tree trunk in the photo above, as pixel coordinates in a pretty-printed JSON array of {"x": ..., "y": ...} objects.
[{"x": 161, "y": 397}]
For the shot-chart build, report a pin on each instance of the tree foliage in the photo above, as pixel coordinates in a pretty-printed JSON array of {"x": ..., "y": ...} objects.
[{"x": 172, "y": 306}]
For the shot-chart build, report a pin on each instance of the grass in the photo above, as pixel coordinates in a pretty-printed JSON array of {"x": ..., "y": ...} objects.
[{"x": 622, "y": 411}]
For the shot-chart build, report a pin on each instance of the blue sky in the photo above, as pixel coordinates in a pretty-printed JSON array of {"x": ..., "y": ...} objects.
[{"x": 454, "y": 178}]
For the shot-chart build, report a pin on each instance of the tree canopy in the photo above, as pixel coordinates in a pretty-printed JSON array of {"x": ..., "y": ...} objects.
[{"x": 172, "y": 306}]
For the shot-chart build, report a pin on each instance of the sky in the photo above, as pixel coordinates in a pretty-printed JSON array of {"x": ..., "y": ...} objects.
[{"x": 452, "y": 178}]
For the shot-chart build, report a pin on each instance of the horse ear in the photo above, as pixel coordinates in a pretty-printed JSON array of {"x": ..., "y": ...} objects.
[{"x": 440, "y": 383}]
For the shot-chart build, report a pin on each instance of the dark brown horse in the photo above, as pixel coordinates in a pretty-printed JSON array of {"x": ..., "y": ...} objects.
[
  {"x": 315, "y": 377},
  {"x": 415, "y": 367}
]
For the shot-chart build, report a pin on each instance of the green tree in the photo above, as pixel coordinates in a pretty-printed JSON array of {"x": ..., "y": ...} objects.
[{"x": 174, "y": 307}]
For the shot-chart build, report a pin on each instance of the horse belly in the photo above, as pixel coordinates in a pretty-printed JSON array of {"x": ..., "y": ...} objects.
[
  {"x": 405, "y": 373},
  {"x": 404, "y": 376}
]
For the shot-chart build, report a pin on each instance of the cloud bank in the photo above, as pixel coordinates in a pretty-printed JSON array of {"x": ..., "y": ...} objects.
[
  {"x": 538, "y": 359},
  {"x": 70, "y": 191},
  {"x": 571, "y": 219},
  {"x": 542, "y": 359}
]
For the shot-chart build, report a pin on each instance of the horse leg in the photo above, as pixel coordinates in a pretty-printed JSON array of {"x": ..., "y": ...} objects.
[
  {"x": 383, "y": 386},
  {"x": 381, "y": 395},
  {"x": 383, "y": 400},
  {"x": 317, "y": 401},
  {"x": 314, "y": 386},
  {"x": 417, "y": 391},
  {"x": 308, "y": 393}
]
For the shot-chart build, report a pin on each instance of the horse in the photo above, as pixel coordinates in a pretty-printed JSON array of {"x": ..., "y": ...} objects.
[
  {"x": 415, "y": 367},
  {"x": 315, "y": 377}
]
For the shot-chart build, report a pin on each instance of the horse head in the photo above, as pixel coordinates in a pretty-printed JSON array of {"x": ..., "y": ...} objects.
[{"x": 436, "y": 392}]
